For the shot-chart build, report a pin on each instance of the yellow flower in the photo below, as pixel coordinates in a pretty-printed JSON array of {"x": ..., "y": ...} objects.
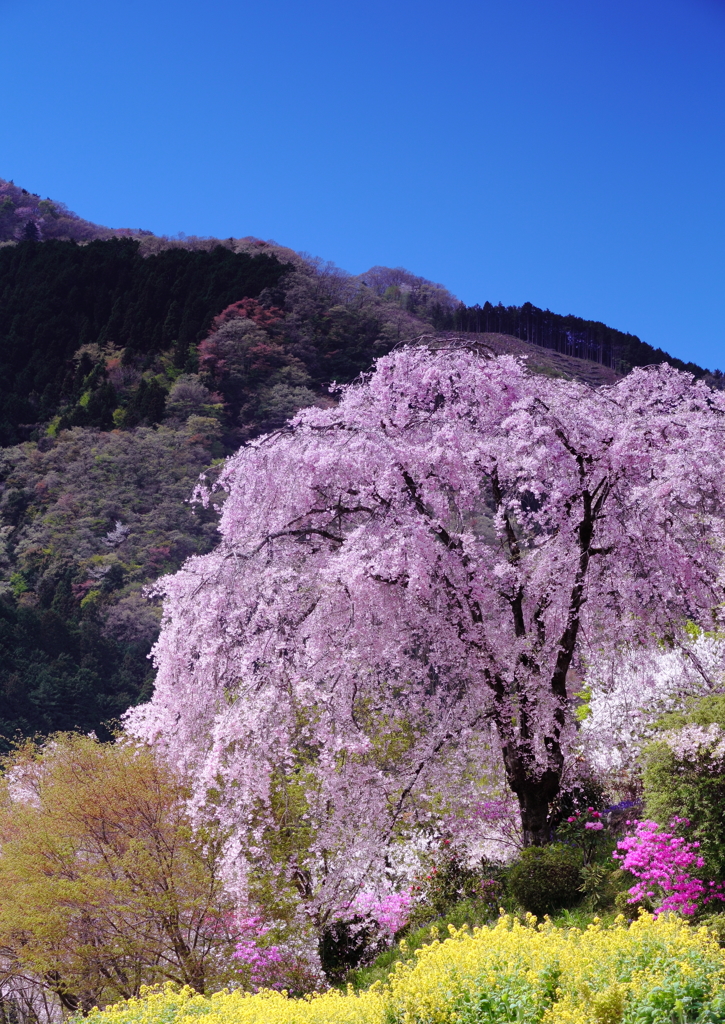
[{"x": 559, "y": 976}]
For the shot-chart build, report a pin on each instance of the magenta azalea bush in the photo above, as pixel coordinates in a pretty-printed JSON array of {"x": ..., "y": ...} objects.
[
  {"x": 663, "y": 863},
  {"x": 287, "y": 965},
  {"x": 386, "y": 913}
]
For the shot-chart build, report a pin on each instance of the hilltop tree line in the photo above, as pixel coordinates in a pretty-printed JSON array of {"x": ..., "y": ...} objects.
[
  {"x": 96, "y": 333},
  {"x": 24, "y": 215},
  {"x": 570, "y": 335}
]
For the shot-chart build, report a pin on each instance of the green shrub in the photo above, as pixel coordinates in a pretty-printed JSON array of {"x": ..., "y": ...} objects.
[
  {"x": 449, "y": 880},
  {"x": 715, "y": 924},
  {"x": 687, "y": 781},
  {"x": 546, "y": 878},
  {"x": 602, "y": 883}
]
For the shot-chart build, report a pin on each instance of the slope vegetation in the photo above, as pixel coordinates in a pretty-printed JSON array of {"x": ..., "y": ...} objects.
[{"x": 131, "y": 364}]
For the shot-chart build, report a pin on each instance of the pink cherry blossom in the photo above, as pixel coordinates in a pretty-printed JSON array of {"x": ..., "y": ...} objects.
[{"x": 403, "y": 588}]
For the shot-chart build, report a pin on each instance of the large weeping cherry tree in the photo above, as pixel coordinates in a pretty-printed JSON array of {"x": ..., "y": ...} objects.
[{"x": 423, "y": 571}]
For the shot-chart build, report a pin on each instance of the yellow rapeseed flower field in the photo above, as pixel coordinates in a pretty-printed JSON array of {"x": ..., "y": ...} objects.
[{"x": 651, "y": 971}]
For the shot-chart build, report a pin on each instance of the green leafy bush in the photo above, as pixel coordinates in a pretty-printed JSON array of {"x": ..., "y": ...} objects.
[
  {"x": 602, "y": 884},
  {"x": 684, "y": 777},
  {"x": 546, "y": 878},
  {"x": 450, "y": 880}
]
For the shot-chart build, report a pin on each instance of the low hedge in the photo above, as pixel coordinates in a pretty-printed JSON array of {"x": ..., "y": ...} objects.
[{"x": 546, "y": 878}]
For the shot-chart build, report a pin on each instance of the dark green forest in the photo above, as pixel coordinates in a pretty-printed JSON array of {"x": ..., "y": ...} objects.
[
  {"x": 56, "y": 297},
  {"x": 127, "y": 370}
]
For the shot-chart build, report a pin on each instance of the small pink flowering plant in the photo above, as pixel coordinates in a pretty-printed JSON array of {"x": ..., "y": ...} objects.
[
  {"x": 264, "y": 964},
  {"x": 386, "y": 914},
  {"x": 585, "y": 829},
  {"x": 663, "y": 861}
]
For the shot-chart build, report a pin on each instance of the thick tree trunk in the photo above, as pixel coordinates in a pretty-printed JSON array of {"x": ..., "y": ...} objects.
[
  {"x": 534, "y": 806},
  {"x": 535, "y": 791}
]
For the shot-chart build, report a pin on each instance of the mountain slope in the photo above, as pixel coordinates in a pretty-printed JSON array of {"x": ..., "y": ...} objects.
[
  {"x": 57, "y": 297},
  {"x": 130, "y": 364}
]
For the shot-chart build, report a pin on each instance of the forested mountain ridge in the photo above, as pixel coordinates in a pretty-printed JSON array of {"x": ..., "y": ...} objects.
[
  {"x": 130, "y": 364},
  {"x": 24, "y": 215},
  {"x": 571, "y": 336},
  {"x": 123, "y": 376}
]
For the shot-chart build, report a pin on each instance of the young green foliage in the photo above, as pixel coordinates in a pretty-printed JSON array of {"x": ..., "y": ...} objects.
[
  {"x": 105, "y": 885},
  {"x": 685, "y": 777}
]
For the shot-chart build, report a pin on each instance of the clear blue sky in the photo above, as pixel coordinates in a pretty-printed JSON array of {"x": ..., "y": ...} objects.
[{"x": 566, "y": 152}]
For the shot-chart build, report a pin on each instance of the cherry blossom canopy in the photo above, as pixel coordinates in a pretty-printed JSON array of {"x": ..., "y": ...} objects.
[{"x": 406, "y": 583}]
